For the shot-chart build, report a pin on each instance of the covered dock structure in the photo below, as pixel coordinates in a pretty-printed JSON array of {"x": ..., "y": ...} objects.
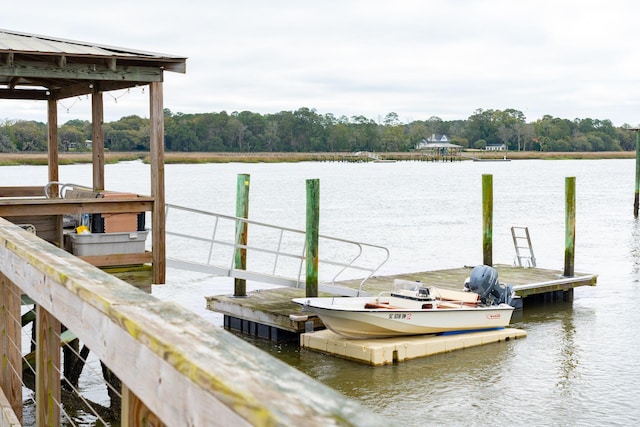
[{"x": 43, "y": 68}]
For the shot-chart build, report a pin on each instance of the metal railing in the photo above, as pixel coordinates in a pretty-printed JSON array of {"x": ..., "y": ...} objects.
[{"x": 275, "y": 254}]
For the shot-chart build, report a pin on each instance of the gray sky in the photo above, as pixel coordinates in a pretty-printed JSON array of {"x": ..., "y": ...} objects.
[{"x": 445, "y": 58}]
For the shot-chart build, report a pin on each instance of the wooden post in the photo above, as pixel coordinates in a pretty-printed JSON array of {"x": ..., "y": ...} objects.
[
  {"x": 135, "y": 412},
  {"x": 312, "y": 234},
  {"x": 156, "y": 154},
  {"x": 487, "y": 219},
  {"x": 637, "y": 193},
  {"x": 570, "y": 226},
  {"x": 97, "y": 141},
  {"x": 242, "y": 211},
  {"x": 10, "y": 345},
  {"x": 53, "y": 161},
  {"x": 47, "y": 369}
]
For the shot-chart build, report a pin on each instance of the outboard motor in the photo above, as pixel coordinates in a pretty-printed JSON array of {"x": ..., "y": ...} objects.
[{"x": 484, "y": 281}]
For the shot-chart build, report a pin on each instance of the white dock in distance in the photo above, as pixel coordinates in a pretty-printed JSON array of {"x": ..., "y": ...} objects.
[{"x": 385, "y": 351}]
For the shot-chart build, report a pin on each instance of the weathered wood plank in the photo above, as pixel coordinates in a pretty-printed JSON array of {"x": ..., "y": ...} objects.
[
  {"x": 156, "y": 154},
  {"x": 135, "y": 413},
  {"x": 45, "y": 225},
  {"x": 8, "y": 418},
  {"x": 118, "y": 259},
  {"x": 32, "y": 94},
  {"x": 97, "y": 141},
  {"x": 29, "y": 191},
  {"x": 47, "y": 369},
  {"x": 16, "y": 207},
  {"x": 271, "y": 307},
  {"x": 87, "y": 72},
  {"x": 10, "y": 345},
  {"x": 160, "y": 350},
  {"x": 526, "y": 281}
]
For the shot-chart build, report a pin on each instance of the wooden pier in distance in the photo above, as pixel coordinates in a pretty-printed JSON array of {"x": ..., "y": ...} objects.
[{"x": 266, "y": 313}]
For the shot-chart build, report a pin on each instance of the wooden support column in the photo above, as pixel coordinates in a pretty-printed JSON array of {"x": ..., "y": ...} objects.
[
  {"x": 54, "y": 174},
  {"x": 135, "y": 413},
  {"x": 487, "y": 219},
  {"x": 97, "y": 142},
  {"x": 312, "y": 235},
  {"x": 52, "y": 140},
  {"x": 242, "y": 211},
  {"x": 47, "y": 369},
  {"x": 10, "y": 345},
  {"x": 570, "y": 226},
  {"x": 156, "y": 153}
]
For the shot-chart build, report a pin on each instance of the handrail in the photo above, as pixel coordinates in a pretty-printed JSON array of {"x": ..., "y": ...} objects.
[
  {"x": 62, "y": 185},
  {"x": 288, "y": 244},
  {"x": 182, "y": 368}
]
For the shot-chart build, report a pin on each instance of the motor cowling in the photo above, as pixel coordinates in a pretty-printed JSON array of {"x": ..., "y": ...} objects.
[{"x": 484, "y": 281}]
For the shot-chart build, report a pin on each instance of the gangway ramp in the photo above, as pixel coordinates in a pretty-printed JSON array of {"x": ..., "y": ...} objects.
[{"x": 206, "y": 242}]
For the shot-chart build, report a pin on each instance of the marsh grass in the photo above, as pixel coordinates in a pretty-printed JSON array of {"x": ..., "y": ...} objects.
[{"x": 9, "y": 159}]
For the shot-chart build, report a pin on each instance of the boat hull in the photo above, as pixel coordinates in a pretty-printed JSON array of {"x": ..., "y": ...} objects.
[{"x": 349, "y": 318}]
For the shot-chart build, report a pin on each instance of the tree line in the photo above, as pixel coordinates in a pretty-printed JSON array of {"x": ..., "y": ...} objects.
[{"x": 305, "y": 130}]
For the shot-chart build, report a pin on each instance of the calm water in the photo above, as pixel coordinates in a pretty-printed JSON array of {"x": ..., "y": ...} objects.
[{"x": 579, "y": 363}]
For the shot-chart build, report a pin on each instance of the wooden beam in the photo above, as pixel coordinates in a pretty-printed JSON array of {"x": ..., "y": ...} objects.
[
  {"x": 28, "y": 191},
  {"x": 77, "y": 71},
  {"x": 10, "y": 344},
  {"x": 156, "y": 154},
  {"x": 84, "y": 88},
  {"x": 8, "y": 60},
  {"x": 53, "y": 162},
  {"x": 18, "y": 207},
  {"x": 34, "y": 94},
  {"x": 118, "y": 259},
  {"x": 135, "y": 412},
  {"x": 97, "y": 144},
  {"x": 8, "y": 417},
  {"x": 47, "y": 369}
]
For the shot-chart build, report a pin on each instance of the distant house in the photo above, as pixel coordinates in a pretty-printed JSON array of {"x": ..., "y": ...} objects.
[
  {"x": 439, "y": 145},
  {"x": 495, "y": 147},
  {"x": 437, "y": 138}
]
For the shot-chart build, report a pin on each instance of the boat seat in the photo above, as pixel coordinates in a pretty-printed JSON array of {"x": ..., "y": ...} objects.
[{"x": 370, "y": 305}]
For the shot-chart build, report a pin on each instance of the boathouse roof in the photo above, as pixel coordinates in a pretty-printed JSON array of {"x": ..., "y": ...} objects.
[{"x": 43, "y": 67}]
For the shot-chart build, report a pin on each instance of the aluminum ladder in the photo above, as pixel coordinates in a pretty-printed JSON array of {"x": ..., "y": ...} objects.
[{"x": 523, "y": 247}]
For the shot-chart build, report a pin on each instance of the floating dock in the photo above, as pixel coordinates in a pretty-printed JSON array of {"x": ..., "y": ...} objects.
[
  {"x": 267, "y": 313},
  {"x": 386, "y": 351}
]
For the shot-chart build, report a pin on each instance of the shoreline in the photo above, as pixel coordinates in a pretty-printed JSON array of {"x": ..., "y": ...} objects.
[{"x": 9, "y": 159}]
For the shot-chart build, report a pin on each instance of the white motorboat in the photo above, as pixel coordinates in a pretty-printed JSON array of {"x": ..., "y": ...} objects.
[{"x": 415, "y": 309}]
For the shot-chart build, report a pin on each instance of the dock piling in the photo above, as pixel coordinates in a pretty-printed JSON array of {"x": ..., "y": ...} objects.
[
  {"x": 312, "y": 234},
  {"x": 242, "y": 211},
  {"x": 487, "y": 219},
  {"x": 570, "y": 226},
  {"x": 636, "y": 202}
]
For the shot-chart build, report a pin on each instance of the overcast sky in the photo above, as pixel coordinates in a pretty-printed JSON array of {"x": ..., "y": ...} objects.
[{"x": 421, "y": 58}]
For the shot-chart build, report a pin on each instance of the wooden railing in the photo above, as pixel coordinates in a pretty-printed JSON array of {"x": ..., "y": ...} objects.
[
  {"x": 28, "y": 205},
  {"x": 173, "y": 365}
]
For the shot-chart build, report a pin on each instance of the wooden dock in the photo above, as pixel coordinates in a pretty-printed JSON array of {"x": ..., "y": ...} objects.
[
  {"x": 525, "y": 281},
  {"x": 266, "y": 313}
]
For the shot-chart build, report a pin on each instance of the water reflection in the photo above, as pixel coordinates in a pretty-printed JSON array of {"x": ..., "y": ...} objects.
[
  {"x": 634, "y": 250},
  {"x": 575, "y": 367}
]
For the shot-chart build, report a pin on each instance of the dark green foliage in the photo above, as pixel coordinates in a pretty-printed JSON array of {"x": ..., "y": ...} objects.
[{"x": 304, "y": 130}]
